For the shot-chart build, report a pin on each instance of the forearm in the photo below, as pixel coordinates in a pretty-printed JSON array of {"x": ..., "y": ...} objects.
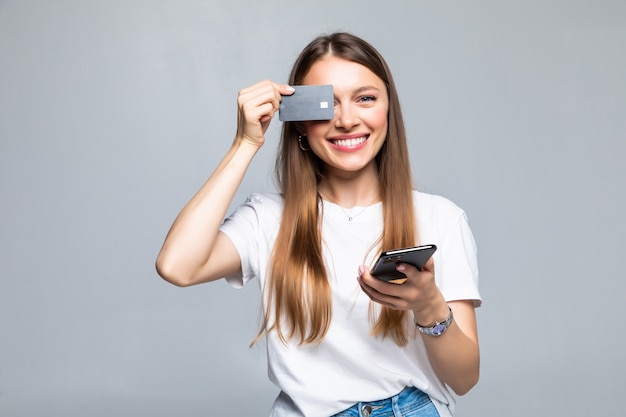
[
  {"x": 190, "y": 240},
  {"x": 455, "y": 354}
]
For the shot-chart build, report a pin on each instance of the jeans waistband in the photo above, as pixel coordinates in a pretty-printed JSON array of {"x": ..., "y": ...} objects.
[{"x": 408, "y": 402}]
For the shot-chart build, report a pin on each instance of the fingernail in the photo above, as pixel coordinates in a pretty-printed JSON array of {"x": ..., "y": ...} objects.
[
  {"x": 400, "y": 267},
  {"x": 361, "y": 270},
  {"x": 290, "y": 89}
]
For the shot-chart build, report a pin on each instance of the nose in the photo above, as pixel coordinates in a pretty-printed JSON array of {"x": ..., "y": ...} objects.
[{"x": 345, "y": 116}]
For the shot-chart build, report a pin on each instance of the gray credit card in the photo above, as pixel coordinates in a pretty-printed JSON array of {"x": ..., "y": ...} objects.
[{"x": 308, "y": 102}]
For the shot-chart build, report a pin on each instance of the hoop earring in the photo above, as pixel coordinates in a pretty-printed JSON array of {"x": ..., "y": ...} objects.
[{"x": 300, "y": 137}]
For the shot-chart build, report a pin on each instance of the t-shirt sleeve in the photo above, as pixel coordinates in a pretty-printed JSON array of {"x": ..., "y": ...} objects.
[
  {"x": 458, "y": 278},
  {"x": 242, "y": 228}
]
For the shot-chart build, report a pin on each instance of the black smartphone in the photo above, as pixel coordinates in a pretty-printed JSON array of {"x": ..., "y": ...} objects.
[{"x": 385, "y": 266}]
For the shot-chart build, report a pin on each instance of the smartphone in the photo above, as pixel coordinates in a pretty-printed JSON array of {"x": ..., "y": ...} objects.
[
  {"x": 385, "y": 266},
  {"x": 308, "y": 102}
]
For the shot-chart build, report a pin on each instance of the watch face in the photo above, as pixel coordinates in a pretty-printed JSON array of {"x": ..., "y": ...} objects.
[{"x": 439, "y": 329}]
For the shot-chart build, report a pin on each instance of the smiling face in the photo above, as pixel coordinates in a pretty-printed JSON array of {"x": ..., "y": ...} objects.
[{"x": 349, "y": 143}]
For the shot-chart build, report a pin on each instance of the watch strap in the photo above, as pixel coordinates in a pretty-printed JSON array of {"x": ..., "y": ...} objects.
[{"x": 438, "y": 328}]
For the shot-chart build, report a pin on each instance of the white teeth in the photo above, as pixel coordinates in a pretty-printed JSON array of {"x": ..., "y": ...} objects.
[{"x": 350, "y": 142}]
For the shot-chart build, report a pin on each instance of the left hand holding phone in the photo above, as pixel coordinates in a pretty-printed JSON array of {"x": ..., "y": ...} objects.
[{"x": 418, "y": 291}]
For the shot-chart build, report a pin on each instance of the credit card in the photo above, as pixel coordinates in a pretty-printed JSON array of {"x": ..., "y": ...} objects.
[{"x": 308, "y": 102}]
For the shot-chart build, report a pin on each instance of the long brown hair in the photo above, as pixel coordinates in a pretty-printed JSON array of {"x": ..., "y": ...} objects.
[{"x": 298, "y": 293}]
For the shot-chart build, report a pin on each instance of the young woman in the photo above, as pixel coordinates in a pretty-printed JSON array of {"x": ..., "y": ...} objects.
[{"x": 340, "y": 341}]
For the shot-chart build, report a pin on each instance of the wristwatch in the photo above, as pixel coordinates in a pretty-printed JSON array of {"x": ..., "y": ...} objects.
[{"x": 438, "y": 328}]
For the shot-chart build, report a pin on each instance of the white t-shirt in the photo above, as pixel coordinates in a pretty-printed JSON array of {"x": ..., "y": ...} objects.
[{"x": 350, "y": 365}]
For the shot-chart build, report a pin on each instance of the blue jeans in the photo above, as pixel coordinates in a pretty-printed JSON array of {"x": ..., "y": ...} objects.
[{"x": 410, "y": 402}]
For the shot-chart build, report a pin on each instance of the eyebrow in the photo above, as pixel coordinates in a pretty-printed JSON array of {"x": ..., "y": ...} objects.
[
  {"x": 365, "y": 88},
  {"x": 360, "y": 90}
]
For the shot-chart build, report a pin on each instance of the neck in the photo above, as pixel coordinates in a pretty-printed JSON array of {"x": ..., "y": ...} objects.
[{"x": 350, "y": 193}]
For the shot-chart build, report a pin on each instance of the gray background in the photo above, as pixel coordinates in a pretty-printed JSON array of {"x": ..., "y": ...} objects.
[{"x": 113, "y": 113}]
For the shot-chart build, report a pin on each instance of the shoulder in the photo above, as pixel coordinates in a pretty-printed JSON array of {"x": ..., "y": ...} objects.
[
  {"x": 265, "y": 199},
  {"x": 261, "y": 206},
  {"x": 256, "y": 212},
  {"x": 433, "y": 204}
]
